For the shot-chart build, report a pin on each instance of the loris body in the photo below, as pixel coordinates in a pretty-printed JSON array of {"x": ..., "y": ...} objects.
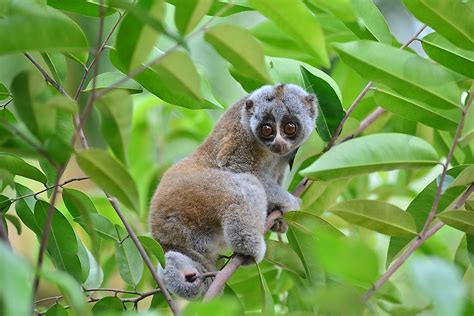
[{"x": 220, "y": 195}]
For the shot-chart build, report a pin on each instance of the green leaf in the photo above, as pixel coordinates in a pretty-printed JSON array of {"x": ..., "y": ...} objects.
[
  {"x": 174, "y": 80},
  {"x": 129, "y": 262},
  {"x": 70, "y": 288},
  {"x": 108, "y": 305},
  {"x": 16, "y": 283},
  {"x": 335, "y": 253},
  {"x": 462, "y": 220},
  {"x": 62, "y": 242},
  {"x": 380, "y": 216},
  {"x": 82, "y": 7},
  {"x": 293, "y": 17},
  {"x": 100, "y": 224},
  {"x": 189, "y": 12},
  {"x": 24, "y": 208},
  {"x": 421, "y": 205},
  {"x": 451, "y": 19},
  {"x": 135, "y": 39},
  {"x": 247, "y": 57},
  {"x": 26, "y": 18},
  {"x": 277, "y": 43},
  {"x": 116, "y": 109},
  {"x": 465, "y": 177},
  {"x": 283, "y": 256},
  {"x": 329, "y": 101},
  {"x": 110, "y": 175},
  {"x": 378, "y": 152},
  {"x": 402, "y": 71},
  {"x": 15, "y": 222},
  {"x": 444, "y": 52},
  {"x": 268, "y": 307},
  {"x": 153, "y": 247},
  {"x": 4, "y": 93},
  {"x": 369, "y": 15},
  {"x": 56, "y": 64},
  {"x": 4, "y": 203},
  {"x": 444, "y": 119},
  {"x": 18, "y": 166},
  {"x": 106, "y": 79},
  {"x": 222, "y": 306},
  {"x": 342, "y": 9},
  {"x": 77, "y": 202},
  {"x": 467, "y": 134},
  {"x": 56, "y": 310}
]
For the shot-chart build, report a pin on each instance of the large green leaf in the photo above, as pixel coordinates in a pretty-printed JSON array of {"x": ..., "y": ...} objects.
[
  {"x": 282, "y": 255},
  {"x": 110, "y": 175},
  {"x": 16, "y": 279},
  {"x": 174, "y": 80},
  {"x": 247, "y": 57},
  {"x": 56, "y": 310},
  {"x": 100, "y": 224},
  {"x": 421, "y": 206},
  {"x": 83, "y": 7},
  {"x": 418, "y": 111},
  {"x": 293, "y": 17},
  {"x": 108, "y": 305},
  {"x": 106, "y": 79},
  {"x": 189, "y": 12},
  {"x": 26, "y": 18},
  {"x": 462, "y": 220},
  {"x": 116, "y": 110},
  {"x": 402, "y": 71},
  {"x": 129, "y": 262},
  {"x": 380, "y": 216},
  {"x": 329, "y": 101},
  {"x": 17, "y": 166},
  {"x": 277, "y": 43},
  {"x": 135, "y": 39},
  {"x": 378, "y": 152},
  {"x": 77, "y": 202},
  {"x": 451, "y": 18},
  {"x": 369, "y": 15},
  {"x": 449, "y": 55},
  {"x": 62, "y": 243},
  {"x": 342, "y": 9}
]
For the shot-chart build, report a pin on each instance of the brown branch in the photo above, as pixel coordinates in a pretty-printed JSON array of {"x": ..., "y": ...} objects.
[
  {"x": 46, "y": 76},
  {"x": 378, "y": 112},
  {"x": 428, "y": 231},
  {"x": 412, "y": 247},
  {"x": 35, "y": 194},
  {"x": 236, "y": 261}
]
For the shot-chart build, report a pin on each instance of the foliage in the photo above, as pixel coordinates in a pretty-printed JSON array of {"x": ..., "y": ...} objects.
[{"x": 120, "y": 90}]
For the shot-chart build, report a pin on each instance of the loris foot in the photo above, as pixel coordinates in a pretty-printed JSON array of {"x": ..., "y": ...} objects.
[{"x": 280, "y": 226}]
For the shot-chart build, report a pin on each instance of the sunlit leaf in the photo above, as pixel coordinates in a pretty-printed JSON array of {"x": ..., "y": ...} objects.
[
  {"x": 462, "y": 220},
  {"x": 293, "y": 17},
  {"x": 452, "y": 19},
  {"x": 247, "y": 57},
  {"x": 382, "y": 217},
  {"x": 26, "y": 18},
  {"x": 268, "y": 307},
  {"x": 153, "y": 247},
  {"x": 369, "y": 16},
  {"x": 18, "y": 166},
  {"x": 449, "y": 55},
  {"x": 109, "y": 174},
  {"x": 372, "y": 153},
  {"x": 189, "y": 12},
  {"x": 405, "y": 72},
  {"x": 465, "y": 177},
  {"x": 106, "y": 79}
]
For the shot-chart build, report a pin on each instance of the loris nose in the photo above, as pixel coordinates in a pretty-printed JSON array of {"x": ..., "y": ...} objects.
[{"x": 278, "y": 147}]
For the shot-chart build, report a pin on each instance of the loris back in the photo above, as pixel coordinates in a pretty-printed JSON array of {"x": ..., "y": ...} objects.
[{"x": 220, "y": 195}]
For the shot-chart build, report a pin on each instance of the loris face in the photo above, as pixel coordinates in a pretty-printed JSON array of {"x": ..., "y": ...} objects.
[{"x": 280, "y": 117}]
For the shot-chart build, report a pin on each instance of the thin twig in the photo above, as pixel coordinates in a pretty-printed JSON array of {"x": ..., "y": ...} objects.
[
  {"x": 223, "y": 275},
  {"x": 35, "y": 194},
  {"x": 46, "y": 76},
  {"x": 427, "y": 230},
  {"x": 97, "y": 55},
  {"x": 378, "y": 112}
]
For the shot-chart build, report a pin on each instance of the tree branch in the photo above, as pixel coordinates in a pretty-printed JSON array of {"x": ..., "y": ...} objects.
[
  {"x": 35, "y": 194},
  {"x": 428, "y": 231},
  {"x": 236, "y": 261},
  {"x": 46, "y": 76}
]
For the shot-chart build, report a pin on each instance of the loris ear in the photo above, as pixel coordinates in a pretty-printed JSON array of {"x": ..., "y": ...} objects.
[
  {"x": 311, "y": 102},
  {"x": 249, "y": 105}
]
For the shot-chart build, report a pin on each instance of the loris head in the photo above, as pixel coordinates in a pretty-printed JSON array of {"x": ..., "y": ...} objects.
[{"x": 280, "y": 117}]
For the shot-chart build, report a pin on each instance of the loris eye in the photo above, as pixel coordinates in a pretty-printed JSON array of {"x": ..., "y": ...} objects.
[
  {"x": 266, "y": 130},
  {"x": 289, "y": 129}
]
